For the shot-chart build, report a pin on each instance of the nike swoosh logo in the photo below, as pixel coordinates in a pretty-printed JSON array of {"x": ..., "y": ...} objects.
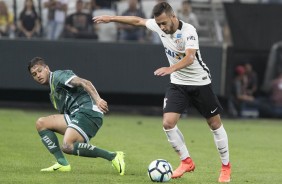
[
  {"x": 214, "y": 110},
  {"x": 55, "y": 169}
]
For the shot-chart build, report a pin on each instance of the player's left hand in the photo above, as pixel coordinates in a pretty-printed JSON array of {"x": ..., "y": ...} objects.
[
  {"x": 163, "y": 71},
  {"x": 102, "y": 105}
]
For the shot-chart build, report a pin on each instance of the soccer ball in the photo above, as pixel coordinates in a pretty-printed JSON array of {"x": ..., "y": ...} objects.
[{"x": 160, "y": 170}]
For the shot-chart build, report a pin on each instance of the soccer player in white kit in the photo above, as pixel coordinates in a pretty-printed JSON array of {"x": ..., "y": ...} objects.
[{"x": 190, "y": 83}]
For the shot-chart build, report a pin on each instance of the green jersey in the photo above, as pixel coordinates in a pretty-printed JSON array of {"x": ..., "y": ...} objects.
[{"x": 68, "y": 99}]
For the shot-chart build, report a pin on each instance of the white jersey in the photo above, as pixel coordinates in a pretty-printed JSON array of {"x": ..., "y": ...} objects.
[{"x": 175, "y": 45}]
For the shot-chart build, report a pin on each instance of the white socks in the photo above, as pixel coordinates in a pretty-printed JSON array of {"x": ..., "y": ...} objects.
[
  {"x": 176, "y": 139},
  {"x": 221, "y": 142}
]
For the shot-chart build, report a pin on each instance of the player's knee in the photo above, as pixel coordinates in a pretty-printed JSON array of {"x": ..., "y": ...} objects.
[
  {"x": 168, "y": 125},
  {"x": 67, "y": 148},
  {"x": 170, "y": 120},
  {"x": 40, "y": 124},
  {"x": 214, "y": 122}
]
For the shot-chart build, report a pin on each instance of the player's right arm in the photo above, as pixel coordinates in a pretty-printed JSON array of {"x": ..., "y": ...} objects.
[
  {"x": 90, "y": 89},
  {"x": 130, "y": 20}
]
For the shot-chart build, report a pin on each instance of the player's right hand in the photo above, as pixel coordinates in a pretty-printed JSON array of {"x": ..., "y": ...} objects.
[
  {"x": 102, "y": 19},
  {"x": 103, "y": 105}
]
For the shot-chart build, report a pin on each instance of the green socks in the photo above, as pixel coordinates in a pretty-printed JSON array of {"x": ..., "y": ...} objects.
[
  {"x": 88, "y": 150},
  {"x": 50, "y": 141}
]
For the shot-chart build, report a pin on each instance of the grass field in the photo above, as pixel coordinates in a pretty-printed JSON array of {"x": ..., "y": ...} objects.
[{"x": 255, "y": 148}]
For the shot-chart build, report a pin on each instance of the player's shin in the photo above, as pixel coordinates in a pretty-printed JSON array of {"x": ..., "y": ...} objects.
[
  {"x": 88, "y": 150},
  {"x": 50, "y": 141},
  {"x": 176, "y": 139},
  {"x": 221, "y": 142}
]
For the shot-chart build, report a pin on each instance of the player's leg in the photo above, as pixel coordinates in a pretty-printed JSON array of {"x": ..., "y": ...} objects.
[
  {"x": 75, "y": 144},
  {"x": 78, "y": 134},
  {"x": 221, "y": 142},
  {"x": 174, "y": 104},
  {"x": 174, "y": 135},
  {"x": 208, "y": 105},
  {"x": 46, "y": 127},
  {"x": 176, "y": 139},
  {"x": 220, "y": 138}
]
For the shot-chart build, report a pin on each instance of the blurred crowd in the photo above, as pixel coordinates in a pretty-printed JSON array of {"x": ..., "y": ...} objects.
[
  {"x": 59, "y": 19},
  {"x": 247, "y": 101}
]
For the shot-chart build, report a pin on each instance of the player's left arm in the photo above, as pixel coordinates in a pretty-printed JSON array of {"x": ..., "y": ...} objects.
[
  {"x": 90, "y": 89},
  {"x": 184, "y": 62}
]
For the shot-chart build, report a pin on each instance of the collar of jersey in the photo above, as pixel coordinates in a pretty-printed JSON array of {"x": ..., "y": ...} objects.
[
  {"x": 50, "y": 79},
  {"x": 180, "y": 25}
]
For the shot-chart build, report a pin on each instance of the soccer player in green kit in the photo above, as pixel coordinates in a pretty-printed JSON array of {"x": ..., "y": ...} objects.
[{"x": 81, "y": 116}]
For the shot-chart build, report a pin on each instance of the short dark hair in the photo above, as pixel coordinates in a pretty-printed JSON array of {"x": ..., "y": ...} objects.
[
  {"x": 161, "y": 8},
  {"x": 35, "y": 61}
]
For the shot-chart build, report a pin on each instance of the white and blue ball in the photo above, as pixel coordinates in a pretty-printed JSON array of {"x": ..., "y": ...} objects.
[{"x": 160, "y": 170}]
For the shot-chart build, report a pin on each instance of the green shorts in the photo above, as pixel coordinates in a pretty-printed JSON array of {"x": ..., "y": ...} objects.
[{"x": 85, "y": 121}]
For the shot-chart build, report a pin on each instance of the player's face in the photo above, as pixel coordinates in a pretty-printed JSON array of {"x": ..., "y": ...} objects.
[
  {"x": 165, "y": 22},
  {"x": 40, "y": 73}
]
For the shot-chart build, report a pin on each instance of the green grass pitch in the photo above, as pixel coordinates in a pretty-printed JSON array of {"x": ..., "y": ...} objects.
[{"x": 255, "y": 150}]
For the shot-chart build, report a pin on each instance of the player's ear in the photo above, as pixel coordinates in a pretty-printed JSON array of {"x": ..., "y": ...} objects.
[
  {"x": 47, "y": 67},
  {"x": 172, "y": 15}
]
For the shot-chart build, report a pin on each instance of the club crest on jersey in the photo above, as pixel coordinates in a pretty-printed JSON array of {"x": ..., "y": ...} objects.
[{"x": 180, "y": 44}]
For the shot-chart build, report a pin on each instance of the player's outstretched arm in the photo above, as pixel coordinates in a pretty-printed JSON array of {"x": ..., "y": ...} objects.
[
  {"x": 90, "y": 89},
  {"x": 131, "y": 20}
]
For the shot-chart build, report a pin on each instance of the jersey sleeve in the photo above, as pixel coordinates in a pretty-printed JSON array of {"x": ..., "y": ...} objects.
[
  {"x": 152, "y": 25},
  {"x": 63, "y": 77},
  {"x": 192, "y": 41}
]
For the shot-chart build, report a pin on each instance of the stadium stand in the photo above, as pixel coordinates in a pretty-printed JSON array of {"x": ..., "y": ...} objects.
[
  {"x": 210, "y": 13},
  {"x": 106, "y": 32}
]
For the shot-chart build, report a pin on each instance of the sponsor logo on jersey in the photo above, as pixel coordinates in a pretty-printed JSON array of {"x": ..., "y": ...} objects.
[
  {"x": 178, "y": 35},
  {"x": 191, "y": 38},
  {"x": 175, "y": 55}
]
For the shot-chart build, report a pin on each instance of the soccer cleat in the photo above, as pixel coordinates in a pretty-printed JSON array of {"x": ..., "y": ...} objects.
[
  {"x": 118, "y": 162},
  {"x": 186, "y": 165},
  {"x": 225, "y": 174},
  {"x": 57, "y": 167}
]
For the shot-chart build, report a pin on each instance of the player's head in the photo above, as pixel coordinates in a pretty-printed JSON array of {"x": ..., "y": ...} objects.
[
  {"x": 165, "y": 17},
  {"x": 39, "y": 70}
]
